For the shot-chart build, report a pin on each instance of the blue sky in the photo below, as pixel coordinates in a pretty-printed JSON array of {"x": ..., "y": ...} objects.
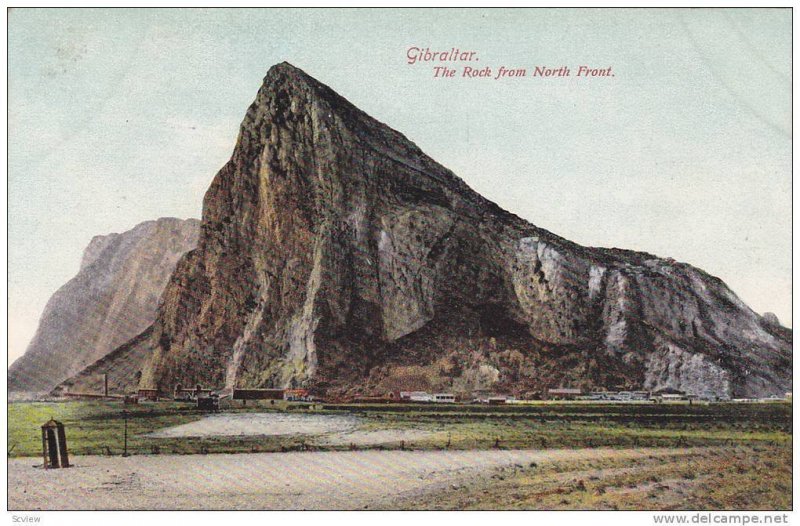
[{"x": 121, "y": 116}]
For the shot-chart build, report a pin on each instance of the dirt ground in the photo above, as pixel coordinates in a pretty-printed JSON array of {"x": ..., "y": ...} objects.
[
  {"x": 259, "y": 424},
  {"x": 310, "y": 480}
]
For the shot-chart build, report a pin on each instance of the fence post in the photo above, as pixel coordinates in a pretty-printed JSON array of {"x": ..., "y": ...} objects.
[{"x": 125, "y": 445}]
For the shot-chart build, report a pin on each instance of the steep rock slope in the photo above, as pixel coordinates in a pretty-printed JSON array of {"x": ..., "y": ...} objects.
[
  {"x": 113, "y": 298},
  {"x": 335, "y": 254}
]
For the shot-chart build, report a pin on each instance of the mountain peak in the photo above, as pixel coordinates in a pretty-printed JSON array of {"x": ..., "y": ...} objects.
[
  {"x": 286, "y": 75},
  {"x": 286, "y": 70},
  {"x": 286, "y": 67}
]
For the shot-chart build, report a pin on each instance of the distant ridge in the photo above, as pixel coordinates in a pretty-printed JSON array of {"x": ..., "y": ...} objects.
[{"x": 112, "y": 298}]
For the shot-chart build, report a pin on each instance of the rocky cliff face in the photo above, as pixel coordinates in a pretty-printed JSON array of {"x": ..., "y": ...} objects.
[
  {"x": 334, "y": 254},
  {"x": 113, "y": 298}
]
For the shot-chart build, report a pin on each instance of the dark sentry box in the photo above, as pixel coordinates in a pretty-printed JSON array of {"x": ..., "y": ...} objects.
[{"x": 54, "y": 445}]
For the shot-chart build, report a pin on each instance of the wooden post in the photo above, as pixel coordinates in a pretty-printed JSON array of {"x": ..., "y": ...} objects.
[
  {"x": 125, "y": 447},
  {"x": 105, "y": 384}
]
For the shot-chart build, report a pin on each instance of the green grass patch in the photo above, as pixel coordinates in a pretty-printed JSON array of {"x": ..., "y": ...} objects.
[
  {"x": 92, "y": 428},
  {"x": 96, "y": 427}
]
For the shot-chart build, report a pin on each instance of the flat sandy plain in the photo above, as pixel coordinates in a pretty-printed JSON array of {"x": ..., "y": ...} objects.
[{"x": 264, "y": 481}]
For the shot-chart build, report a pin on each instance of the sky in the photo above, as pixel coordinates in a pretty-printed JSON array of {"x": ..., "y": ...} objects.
[{"x": 121, "y": 116}]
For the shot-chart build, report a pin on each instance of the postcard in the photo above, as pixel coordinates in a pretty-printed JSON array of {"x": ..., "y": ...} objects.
[{"x": 400, "y": 259}]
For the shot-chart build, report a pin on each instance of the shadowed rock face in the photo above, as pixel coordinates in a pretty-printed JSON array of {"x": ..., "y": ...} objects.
[
  {"x": 113, "y": 298},
  {"x": 334, "y": 254}
]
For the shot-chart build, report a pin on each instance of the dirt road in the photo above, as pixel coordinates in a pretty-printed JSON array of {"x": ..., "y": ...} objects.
[{"x": 261, "y": 481}]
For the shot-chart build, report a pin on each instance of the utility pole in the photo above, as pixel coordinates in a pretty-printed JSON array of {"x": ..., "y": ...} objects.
[{"x": 125, "y": 447}]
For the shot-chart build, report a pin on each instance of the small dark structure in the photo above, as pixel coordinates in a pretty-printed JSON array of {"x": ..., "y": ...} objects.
[
  {"x": 373, "y": 400},
  {"x": 54, "y": 445},
  {"x": 185, "y": 394},
  {"x": 563, "y": 394},
  {"x": 669, "y": 391},
  {"x": 208, "y": 403},
  {"x": 296, "y": 395},
  {"x": 148, "y": 394},
  {"x": 258, "y": 394}
]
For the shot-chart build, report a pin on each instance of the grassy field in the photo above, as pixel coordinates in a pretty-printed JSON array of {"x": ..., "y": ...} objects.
[
  {"x": 591, "y": 425},
  {"x": 718, "y": 456},
  {"x": 742, "y": 477},
  {"x": 96, "y": 428}
]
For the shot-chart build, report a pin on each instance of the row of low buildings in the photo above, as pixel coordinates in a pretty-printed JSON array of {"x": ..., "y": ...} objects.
[
  {"x": 422, "y": 396},
  {"x": 193, "y": 394},
  {"x": 661, "y": 395},
  {"x": 617, "y": 396},
  {"x": 493, "y": 398},
  {"x": 487, "y": 397},
  {"x": 290, "y": 395},
  {"x": 479, "y": 397},
  {"x": 197, "y": 393}
]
